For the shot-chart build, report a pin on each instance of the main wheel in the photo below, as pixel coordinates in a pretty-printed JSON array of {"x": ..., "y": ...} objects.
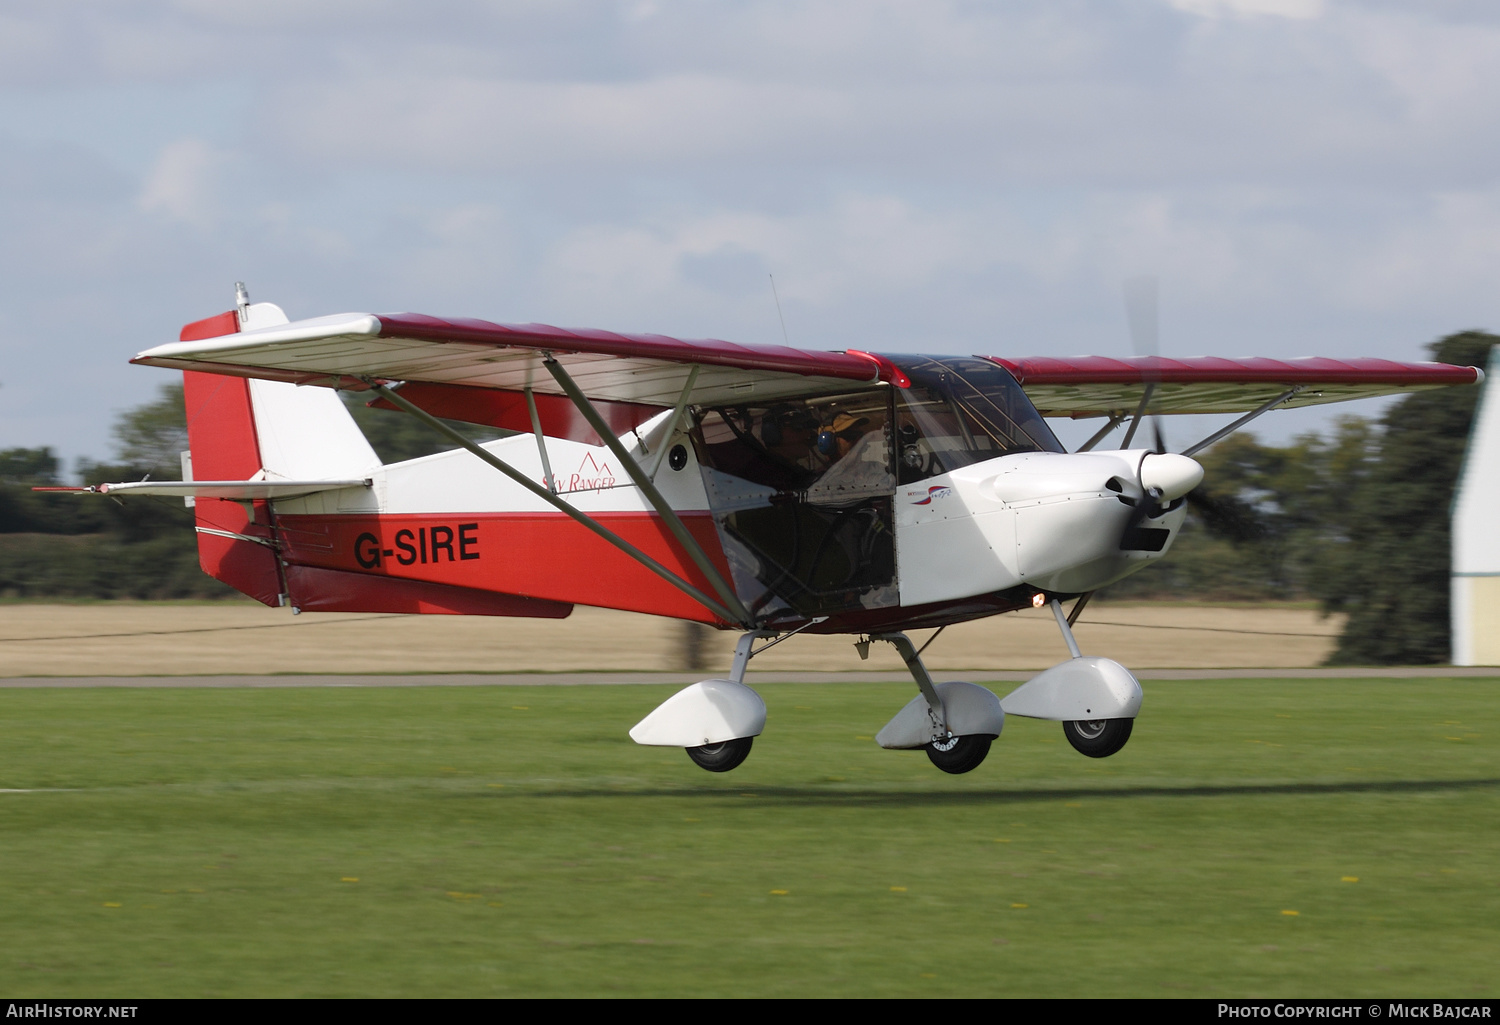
[
  {"x": 959, "y": 754},
  {"x": 1098, "y": 738},
  {"x": 721, "y": 757}
]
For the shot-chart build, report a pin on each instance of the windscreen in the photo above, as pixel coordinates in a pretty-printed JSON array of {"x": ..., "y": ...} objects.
[{"x": 960, "y": 411}]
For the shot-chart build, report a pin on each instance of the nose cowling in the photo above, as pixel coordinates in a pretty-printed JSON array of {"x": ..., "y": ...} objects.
[
  {"x": 1171, "y": 475},
  {"x": 1051, "y": 520}
]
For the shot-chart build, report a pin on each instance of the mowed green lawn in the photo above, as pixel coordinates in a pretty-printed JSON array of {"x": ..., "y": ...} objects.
[{"x": 1278, "y": 838}]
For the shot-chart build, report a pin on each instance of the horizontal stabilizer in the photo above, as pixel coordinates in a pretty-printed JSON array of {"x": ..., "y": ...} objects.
[{"x": 239, "y": 490}]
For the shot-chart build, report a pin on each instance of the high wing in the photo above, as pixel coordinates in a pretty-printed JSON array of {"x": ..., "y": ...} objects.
[
  {"x": 1085, "y": 386},
  {"x": 478, "y": 371}
]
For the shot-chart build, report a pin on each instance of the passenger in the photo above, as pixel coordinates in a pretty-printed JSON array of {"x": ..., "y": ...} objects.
[{"x": 791, "y": 435}]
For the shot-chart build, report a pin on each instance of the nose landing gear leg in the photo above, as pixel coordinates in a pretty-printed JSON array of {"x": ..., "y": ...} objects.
[
  {"x": 1095, "y": 699},
  {"x": 955, "y": 723}
]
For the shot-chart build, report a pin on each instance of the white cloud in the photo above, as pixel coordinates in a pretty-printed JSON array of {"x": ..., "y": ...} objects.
[
  {"x": 184, "y": 183},
  {"x": 917, "y": 173},
  {"x": 478, "y": 123},
  {"x": 1251, "y": 8}
]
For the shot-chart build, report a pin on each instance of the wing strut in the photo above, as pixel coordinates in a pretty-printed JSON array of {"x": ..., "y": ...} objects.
[
  {"x": 1140, "y": 413},
  {"x": 1114, "y": 421},
  {"x": 541, "y": 442},
  {"x": 668, "y": 514},
  {"x": 547, "y": 496},
  {"x": 687, "y": 390},
  {"x": 1242, "y": 421}
]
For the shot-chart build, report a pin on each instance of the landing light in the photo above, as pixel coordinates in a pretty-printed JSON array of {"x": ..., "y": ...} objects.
[{"x": 1038, "y": 600}]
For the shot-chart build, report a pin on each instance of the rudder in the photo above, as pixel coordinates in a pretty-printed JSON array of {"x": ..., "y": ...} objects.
[
  {"x": 234, "y": 539},
  {"x": 243, "y": 429}
]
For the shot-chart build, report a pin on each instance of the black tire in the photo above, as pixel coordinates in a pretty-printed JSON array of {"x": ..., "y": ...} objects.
[
  {"x": 721, "y": 757},
  {"x": 1098, "y": 738},
  {"x": 960, "y": 754}
]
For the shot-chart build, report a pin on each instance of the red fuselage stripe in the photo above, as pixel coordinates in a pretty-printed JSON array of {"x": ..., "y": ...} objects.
[{"x": 533, "y": 555}]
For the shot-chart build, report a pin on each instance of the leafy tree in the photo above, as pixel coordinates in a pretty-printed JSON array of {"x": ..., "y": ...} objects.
[
  {"x": 1254, "y": 523},
  {"x": 29, "y": 466},
  {"x": 151, "y": 437},
  {"x": 25, "y": 511},
  {"x": 66, "y": 545},
  {"x": 1358, "y": 520},
  {"x": 63, "y": 545},
  {"x": 1391, "y": 575}
]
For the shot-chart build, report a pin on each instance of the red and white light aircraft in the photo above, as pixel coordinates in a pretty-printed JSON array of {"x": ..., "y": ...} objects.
[{"x": 764, "y": 489}]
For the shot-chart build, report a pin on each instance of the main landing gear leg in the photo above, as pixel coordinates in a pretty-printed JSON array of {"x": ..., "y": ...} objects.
[
  {"x": 728, "y": 755},
  {"x": 954, "y": 722},
  {"x": 715, "y": 721}
]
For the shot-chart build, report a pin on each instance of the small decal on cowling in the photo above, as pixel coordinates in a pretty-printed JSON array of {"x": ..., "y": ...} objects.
[{"x": 937, "y": 491}]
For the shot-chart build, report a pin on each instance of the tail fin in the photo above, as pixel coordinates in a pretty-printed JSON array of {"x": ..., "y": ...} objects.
[{"x": 241, "y": 429}]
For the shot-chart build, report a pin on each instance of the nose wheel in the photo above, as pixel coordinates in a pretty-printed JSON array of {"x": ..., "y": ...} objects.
[
  {"x": 1098, "y": 738},
  {"x": 959, "y": 754}
]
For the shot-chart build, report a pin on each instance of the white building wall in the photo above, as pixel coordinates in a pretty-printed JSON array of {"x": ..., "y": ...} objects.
[{"x": 1475, "y": 588}]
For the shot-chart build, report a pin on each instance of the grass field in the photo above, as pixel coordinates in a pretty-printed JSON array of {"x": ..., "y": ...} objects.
[{"x": 1277, "y": 838}]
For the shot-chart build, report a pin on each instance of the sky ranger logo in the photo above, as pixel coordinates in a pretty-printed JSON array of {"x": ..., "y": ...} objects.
[
  {"x": 937, "y": 491},
  {"x": 590, "y": 476}
]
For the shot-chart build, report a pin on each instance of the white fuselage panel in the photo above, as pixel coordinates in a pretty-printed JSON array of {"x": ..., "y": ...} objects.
[{"x": 588, "y": 477}]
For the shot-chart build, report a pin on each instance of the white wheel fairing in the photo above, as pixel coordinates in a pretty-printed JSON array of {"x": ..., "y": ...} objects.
[
  {"x": 707, "y": 712},
  {"x": 968, "y": 710},
  {"x": 1078, "y": 690}
]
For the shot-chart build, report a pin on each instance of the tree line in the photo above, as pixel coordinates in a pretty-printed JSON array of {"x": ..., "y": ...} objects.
[
  {"x": 88, "y": 547},
  {"x": 1356, "y": 520}
]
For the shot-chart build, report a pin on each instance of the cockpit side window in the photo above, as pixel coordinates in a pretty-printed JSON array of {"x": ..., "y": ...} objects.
[
  {"x": 801, "y": 493},
  {"x": 829, "y": 449}
]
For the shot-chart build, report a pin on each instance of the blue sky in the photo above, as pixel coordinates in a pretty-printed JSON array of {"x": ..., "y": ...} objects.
[{"x": 1306, "y": 177}]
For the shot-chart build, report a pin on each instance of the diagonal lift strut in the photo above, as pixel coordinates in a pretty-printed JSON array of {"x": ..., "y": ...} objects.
[
  {"x": 743, "y": 618},
  {"x": 648, "y": 488}
]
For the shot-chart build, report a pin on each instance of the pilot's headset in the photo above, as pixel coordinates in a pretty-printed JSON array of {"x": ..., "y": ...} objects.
[
  {"x": 828, "y": 437},
  {"x": 773, "y": 423}
]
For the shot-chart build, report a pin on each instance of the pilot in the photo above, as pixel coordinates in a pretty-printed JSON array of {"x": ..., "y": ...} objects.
[{"x": 861, "y": 467}]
